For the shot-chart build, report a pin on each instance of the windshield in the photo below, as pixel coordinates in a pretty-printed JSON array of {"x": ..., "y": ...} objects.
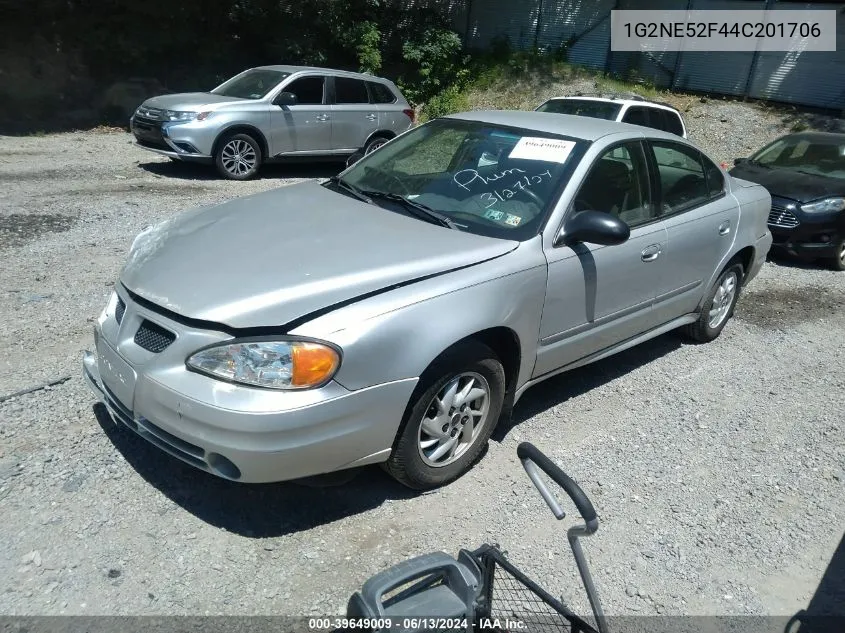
[
  {"x": 807, "y": 155},
  {"x": 582, "y": 107},
  {"x": 487, "y": 179},
  {"x": 253, "y": 84}
]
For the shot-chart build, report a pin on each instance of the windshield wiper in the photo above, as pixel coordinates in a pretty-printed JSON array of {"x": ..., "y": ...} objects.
[
  {"x": 416, "y": 208},
  {"x": 340, "y": 182},
  {"x": 759, "y": 164}
]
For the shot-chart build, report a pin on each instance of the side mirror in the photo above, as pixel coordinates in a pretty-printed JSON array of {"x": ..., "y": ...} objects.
[
  {"x": 286, "y": 99},
  {"x": 354, "y": 158},
  {"x": 738, "y": 161},
  {"x": 594, "y": 227}
]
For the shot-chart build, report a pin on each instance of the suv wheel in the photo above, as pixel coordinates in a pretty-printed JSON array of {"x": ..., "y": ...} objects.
[
  {"x": 238, "y": 157},
  {"x": 374, "y": 144},
  {"x": 718, "y": 308},
  {"x": 450, "y": 418}
]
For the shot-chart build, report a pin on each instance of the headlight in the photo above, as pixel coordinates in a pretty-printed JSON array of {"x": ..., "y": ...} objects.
[
  {"x": 831, "y": 205},
  {"x": 278, "y": 364},
  {"x": 173, "y": 115}
]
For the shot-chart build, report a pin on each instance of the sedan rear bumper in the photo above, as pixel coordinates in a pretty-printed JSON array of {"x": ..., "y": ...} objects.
[{"x": 352, "y": 430}]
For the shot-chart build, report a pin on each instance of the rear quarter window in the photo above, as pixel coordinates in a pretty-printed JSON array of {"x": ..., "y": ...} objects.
[{"x": 379, "y": 93}]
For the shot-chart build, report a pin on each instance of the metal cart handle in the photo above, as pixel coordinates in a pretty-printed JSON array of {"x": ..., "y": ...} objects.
[{"x": 532, "y": 459}]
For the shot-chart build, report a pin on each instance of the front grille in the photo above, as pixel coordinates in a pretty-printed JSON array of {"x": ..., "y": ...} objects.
[
  {"x": 119, "y": 310},
  {"x": 782, "y": 218},
  {"x": 153, "y": 337},
  {"x": 152, "y": 114}
]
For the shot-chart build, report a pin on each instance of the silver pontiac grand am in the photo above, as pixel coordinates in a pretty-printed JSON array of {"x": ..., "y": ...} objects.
[{"x": 395, "y": 313}]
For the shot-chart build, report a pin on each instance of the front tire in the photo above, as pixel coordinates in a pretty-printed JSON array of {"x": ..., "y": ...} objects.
[
  {"x": 450, "y": 419},
  {"x": 238, "y": 157},
  {"x": 719, "y": 306},
  {"x": 837, "y": 262}
]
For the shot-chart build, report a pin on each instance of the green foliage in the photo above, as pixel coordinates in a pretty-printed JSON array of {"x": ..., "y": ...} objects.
[
  {"x": 452, "y": 99},
  {"x": 368, "y": 39},
  {"x": 434, "y": 63}
]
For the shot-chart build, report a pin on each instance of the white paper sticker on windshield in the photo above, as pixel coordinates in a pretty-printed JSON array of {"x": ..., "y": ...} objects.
[{"x": 537, "y": 148}]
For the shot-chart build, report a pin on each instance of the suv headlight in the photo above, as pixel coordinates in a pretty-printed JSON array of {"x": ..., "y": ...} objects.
[
  {"x": 284, "y": 364},
  {"x": 174, "y": 115},
  {"x": 831, "y": 205}
]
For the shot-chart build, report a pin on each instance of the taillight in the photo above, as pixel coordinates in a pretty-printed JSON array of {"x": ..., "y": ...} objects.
[{"x": 410, "y": 114}]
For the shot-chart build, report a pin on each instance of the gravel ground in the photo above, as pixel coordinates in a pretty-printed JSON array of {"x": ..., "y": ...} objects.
[{"x": 717, "y": 470}]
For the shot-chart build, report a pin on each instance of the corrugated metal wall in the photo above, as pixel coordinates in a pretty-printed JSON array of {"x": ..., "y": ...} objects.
[
  {"x": 815, "y": 78},
  {"x": 812, "y": 79}
]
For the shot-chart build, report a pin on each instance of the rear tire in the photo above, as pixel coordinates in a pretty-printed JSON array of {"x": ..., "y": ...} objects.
[
  {"x": 719, "y": 306},
  {"x": 456, "y": 404},
  {"x": 238, "y": 157},
  {"x": 374, "y": 144}
]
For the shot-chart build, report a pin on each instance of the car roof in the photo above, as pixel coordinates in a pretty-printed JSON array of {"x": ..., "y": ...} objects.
[
  {"x": 585, "y": 128},
  {"x": 295, "y": 69},
  {"x": 818, "y": 137},
  {"x": 619, "y": 100}
]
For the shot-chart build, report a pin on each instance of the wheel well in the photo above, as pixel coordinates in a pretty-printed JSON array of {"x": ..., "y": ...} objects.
[
  {"x": 746, "y": 258},
  {"x": 380, "y": 133},
  {"x": 242, "y": 129},
  {"x": 505, "y": 343}
]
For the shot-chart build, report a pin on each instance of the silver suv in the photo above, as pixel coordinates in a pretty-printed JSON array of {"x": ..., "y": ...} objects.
[{"x": 274, "y": 112}]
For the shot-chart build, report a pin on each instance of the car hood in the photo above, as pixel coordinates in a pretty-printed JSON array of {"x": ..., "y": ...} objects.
[
  {"x": 785, "y": 183},
  {"x": 271, "y": 258},
  {"x": 188, "y": 101}
]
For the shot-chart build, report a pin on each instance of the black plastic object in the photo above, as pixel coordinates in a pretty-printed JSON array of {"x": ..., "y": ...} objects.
[
  {"x": 442, "y": 587},
  {"x": 594, "y": 227},
  {"x": 527, "y": 451}
]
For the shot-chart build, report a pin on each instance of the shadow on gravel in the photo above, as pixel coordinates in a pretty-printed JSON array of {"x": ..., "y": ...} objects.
[
  {"x": 17, "y": 229},
  {"x": 252, "y": 510},
  {"x": 776, "y": 308},
  {"x": 790, "y": 261},
  {"x": 579, "y": 381},
  {"x": 198, "y": 171},
  {"x": 826, "y": 611}
]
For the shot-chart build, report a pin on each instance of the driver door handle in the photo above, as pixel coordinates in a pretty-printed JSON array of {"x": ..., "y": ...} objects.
[{"x": 651, "y": 253}]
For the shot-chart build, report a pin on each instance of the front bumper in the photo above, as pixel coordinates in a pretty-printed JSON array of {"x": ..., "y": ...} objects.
[
  {"x": 190, "y": 141},
  {"x": 814, "y": 235},
  {"x": 239, "y": 433}
]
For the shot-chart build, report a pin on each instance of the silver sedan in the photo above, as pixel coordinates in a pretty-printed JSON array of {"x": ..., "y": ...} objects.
[{"x": 394, "y": 314}]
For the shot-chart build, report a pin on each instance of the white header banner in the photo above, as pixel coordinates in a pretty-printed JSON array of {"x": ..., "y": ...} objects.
[{"x": 788, "y": 30}]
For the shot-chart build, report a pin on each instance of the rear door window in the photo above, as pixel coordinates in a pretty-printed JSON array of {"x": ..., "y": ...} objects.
[
  {"x": 681, "y": 175},
  {"x": 349, "y": 91}
]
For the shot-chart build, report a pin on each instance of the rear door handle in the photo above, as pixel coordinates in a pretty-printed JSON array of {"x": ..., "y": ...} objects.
[
  {"x": 322, "y": 117},
  {"x": 725, "y": 227},
  {"x": 651, "y": 253},
  {"x": 372, "y": 117}
]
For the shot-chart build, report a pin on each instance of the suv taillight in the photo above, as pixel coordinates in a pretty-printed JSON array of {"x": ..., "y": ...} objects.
[{"x": 410, "y": 114}]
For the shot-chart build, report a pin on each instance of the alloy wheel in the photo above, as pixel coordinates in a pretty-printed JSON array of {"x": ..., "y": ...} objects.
[
  {"x": 722, "y": 300},
  {"x": 454, "y": 419},
  {"x": 239, "y": 157}
]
